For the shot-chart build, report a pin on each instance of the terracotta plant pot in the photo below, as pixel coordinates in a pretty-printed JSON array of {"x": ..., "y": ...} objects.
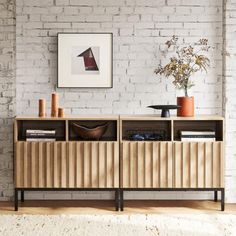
[{"x": 187, "y": 106}]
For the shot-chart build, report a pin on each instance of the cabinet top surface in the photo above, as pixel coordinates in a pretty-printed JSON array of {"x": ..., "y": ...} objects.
[
  {"x": 122, "y": 117},
  {"x": 158, "y": 117},
  {"x": 69, "y": 117}
]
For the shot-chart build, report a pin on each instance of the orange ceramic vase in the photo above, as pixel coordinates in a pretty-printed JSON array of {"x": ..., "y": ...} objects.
[
  {"x": 187, "y": 106},
  {"x": 54, "y": 105}
]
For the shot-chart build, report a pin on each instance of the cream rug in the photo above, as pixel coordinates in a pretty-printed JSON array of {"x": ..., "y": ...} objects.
[{"x": 118, "y": 225}]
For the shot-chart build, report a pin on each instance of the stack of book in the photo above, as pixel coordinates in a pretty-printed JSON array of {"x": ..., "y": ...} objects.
[
  {"x": 198, "y": 136},
  {"x": 40, "y": 135}
]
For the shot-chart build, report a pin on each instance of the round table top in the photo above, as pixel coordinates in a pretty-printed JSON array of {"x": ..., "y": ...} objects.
[{"x": 163, "y": 107}]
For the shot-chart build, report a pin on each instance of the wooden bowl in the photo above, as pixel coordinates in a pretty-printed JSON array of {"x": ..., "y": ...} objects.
[{"x": 94, "y": 133}]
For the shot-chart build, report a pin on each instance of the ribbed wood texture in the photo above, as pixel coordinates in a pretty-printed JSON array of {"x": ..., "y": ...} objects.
[
  {"x": 147, "y": 164},
  {"x": 67, "y": 165},
  {"x": 198, "y": 165},
  {"x": 172, "y": 165}
]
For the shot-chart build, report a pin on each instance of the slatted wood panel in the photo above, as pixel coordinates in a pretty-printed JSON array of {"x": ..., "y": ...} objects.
[
  {"x": 198, "y": 165},
  {"x": 67, "y": 165},
  {"x": 146, "y": 164}
]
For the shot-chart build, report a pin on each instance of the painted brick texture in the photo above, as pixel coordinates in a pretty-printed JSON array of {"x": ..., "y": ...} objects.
[
  {"x": 140, "y": 29},
  {"x": 7, "y": 95},
  {"x": 229, "y": 97}
]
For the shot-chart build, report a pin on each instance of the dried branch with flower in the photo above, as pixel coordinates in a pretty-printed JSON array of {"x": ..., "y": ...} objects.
[{"x": 186, "y": 61}]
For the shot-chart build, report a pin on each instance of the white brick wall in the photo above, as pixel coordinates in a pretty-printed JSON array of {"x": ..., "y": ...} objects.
[
  {"x": 140, "y": 29},
  {"x": 7, "y": 96},
  {"x": 229, "y": 97}
]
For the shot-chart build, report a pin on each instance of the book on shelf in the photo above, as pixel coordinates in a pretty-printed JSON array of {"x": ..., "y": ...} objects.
[
  {"x": 197, "y": 133},
  {"x": 198, "y": 139},
  {"x": 198, "y": 136},
  {"x": 40, "y": 139},
  {"x": 40, "y": 135},
  {"x": 35, "y": 131}
]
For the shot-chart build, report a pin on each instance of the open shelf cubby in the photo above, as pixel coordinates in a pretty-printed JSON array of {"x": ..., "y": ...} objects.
[
  {"x": 58, "y": 125},
  {"x": 198, "y": 125},
  {"x": 131, "y": 127},
  {"x": 111, "y": 133}
]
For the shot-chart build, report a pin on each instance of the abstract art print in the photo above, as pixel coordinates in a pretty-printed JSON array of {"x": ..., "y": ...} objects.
[{"x": 85, "y": 60}]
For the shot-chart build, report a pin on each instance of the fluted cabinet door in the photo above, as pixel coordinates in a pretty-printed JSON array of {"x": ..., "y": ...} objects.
[
  {"x": 198, "y": 165},
  {"x": 67, "y": 165},
  {"x": 96, "y": 164},
  {"x": 146, "y": 165}
]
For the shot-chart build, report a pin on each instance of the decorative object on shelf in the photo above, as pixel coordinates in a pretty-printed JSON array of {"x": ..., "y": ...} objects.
[
  {"x": 54, "y": 105},
  {"x": 61, "y": 112},
  {"x": 186, "y": 106},
  {"x": 165, "y": 109},
  {"x": 198, "y": 136},
  {"x": 94, "y": 133},
  {"x": 85, "y": 60},
  {"x": 42, "y": 107},
  {"x": 188, "y": 60},
  {"x": 147, "y": 137},
  {"x": 40, "y": 135}
]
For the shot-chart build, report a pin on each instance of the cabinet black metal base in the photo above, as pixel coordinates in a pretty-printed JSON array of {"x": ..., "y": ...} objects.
[
  {"x": 119, "y": 193},
  {"x": 215, "y": 196},
  {"x": 22, "y": 196},
  {"x": 22, "y": 190},
  {"x": 222, "y": 190}
]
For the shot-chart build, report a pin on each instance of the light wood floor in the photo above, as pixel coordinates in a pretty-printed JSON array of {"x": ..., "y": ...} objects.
[{"x": 107, "y": 207}]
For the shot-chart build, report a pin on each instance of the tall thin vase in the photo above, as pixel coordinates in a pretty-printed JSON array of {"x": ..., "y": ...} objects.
[
  {"x": 54, "y": 105},
  {"x": 42, "y": 107}
]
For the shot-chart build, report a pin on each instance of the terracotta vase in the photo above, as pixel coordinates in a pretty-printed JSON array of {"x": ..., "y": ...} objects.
[
  {"x": 54, "y": 105},
  {"x": 187, "y": 106},
  {"x": 42, "y": 107},
  {"x": 61, "y": 112}
]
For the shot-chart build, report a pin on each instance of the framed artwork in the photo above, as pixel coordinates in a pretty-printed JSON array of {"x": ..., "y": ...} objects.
[{"x": 85, "y": 60}]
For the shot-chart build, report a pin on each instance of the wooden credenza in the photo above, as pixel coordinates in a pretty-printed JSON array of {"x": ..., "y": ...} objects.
[
  {"x": 171, "y": 164},
  {"x": 116, "y": 163},
  {"x": 69, "y": 163}
]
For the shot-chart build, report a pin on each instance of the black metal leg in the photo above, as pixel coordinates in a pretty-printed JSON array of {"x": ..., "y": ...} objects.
[
  {"x": 16, "y": 200},
  {"x": 121, "y": 200},
  {"x": 117, "y": 199},
  {"x": 222, "y": 199},
  {"x": 215, "y": 196},
  {"x": 22, "y": 196}
]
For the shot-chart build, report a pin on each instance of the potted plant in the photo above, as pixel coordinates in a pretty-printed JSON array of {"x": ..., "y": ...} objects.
[{"x": 186, "y": 61}]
